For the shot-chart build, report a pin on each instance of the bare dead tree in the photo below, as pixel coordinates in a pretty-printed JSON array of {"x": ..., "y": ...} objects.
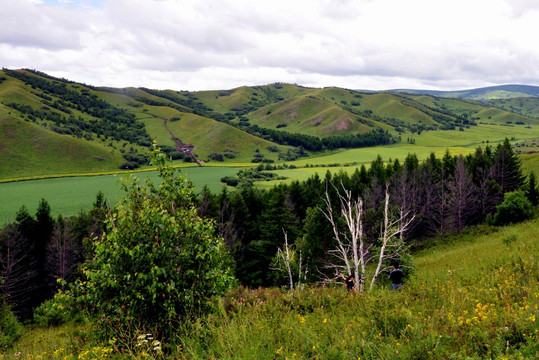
[
  {"x": 63, "y": 252},
  {"x": 226, "y": 226},
  {"x": 353, "y": 253},
  {"x": 351, "y": 249},
  {"x": 392, "y": 240},
  {"x": 16, "y": 270},
  {"x": 284, "y": 262},
  {"x": 405, "y": 195},
  {"x": 462, "y": 194}
]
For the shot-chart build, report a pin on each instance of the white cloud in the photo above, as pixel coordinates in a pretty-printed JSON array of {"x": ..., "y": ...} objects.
[{"x": 193, "y": 44}]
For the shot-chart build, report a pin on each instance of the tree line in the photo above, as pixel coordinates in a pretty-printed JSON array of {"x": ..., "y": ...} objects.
[
  {"x": 107, "y": 120},
  {"x": 444, "y": 195}
]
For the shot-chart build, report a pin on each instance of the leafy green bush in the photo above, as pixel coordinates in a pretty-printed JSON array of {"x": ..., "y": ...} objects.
[
  {"x": 514, "y": 208},
  {"x": 158, "y": 263},
  {"x": 10, "y": 328},
  {"x": 55, "y": 311}
]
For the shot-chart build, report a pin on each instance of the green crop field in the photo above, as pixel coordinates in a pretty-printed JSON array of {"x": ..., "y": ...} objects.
[{"x": 69, "y": 195}]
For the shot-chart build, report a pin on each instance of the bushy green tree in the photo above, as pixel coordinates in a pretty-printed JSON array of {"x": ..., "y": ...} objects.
[
  {"x": 10, "y": 328},
  {"x": 158, "y": 262},
  {"x": 514, "y": 208}
]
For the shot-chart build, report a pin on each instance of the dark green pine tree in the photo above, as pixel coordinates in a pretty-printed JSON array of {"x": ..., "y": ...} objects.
[
  {"x": 532, "y": 190},
  {"x": 44, "y": 226},
  {"x": 276, "y": 218},
  {"x": 507, "y": 168}
]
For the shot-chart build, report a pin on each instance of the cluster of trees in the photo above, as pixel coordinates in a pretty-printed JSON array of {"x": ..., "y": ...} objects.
[
  {"x": 37, "y": 251},
  {"x": 162, "y": 253},
  {"x": 107, "y": 120},
  {"x": 314, "y": 143},
  {"x": 444, "y": 195}
]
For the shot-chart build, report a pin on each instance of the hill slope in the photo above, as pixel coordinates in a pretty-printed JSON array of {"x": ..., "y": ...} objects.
[
  {"x": 245, "y": 124},
  {"x": 485, "y": 93}
]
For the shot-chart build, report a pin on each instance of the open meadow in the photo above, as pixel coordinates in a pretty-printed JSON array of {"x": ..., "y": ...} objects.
[
  {"x": 472, "y": 296},
  {"x": 69, "y": 195}
]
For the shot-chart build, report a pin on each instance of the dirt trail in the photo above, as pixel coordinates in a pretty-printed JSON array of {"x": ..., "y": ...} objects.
[{"x": 186, "y": 149}]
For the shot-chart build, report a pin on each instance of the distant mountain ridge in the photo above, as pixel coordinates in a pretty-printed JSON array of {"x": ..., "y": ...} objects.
[{"x": 480, "y": 94}]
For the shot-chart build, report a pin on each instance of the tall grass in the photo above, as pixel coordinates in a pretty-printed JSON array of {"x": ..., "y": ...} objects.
[{"x": 474, "y": 296}]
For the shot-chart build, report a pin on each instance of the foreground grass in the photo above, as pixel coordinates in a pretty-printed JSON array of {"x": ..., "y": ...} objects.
[
  {"x": 474, "y": 296},
  {"x": 477, "y": 298}
]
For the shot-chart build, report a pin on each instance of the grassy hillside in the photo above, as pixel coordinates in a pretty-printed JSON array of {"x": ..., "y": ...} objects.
[
  {"x": 486, "y": 93},
  {"x": 77, "y": 123},
  {"x": 527, "y": 106},
  {"x": 90, "y": 129},
  {"x": 473, "y": 296},
  {"x": 28, "y": 150}
]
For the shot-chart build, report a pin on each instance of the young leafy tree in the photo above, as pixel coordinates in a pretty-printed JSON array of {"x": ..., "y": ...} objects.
[
  {"x": 514, "y": 208},
  {"x": 158, "y": 262}
]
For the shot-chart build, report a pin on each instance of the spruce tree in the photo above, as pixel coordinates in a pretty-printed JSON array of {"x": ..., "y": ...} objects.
[
  {"x": 532, "y": 190},
  {"x": 507, "y": 168}
]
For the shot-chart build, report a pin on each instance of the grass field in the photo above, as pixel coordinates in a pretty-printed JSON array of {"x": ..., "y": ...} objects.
[
  {"x": 473, "y": 296},
  {"x": 69, "y": 195},
  {"x": 530, "y": 163}
]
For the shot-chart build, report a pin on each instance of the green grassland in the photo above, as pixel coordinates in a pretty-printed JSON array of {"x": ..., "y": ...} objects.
[
  {"x": 321, "y": 112},
  {"x": 25, "y": 146},
  {"x": 84, "y": 189},
  {"x": 310, "y": 116},
  {"x": 530, "y": 163},
  {"x": 29, "y": 149},
  {"x": 527, "y": 106},
  {"x": 472, "y": 296},
  {"x": 70, "y": 195}
]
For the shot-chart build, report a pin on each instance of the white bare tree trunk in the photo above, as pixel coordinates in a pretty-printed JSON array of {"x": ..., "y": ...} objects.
[
  {"x": 350, "y": 245},
  {"x": 285, "y": 259},
  {"x": 390, "y": 232},
  {"x": 353, "y": 253}
]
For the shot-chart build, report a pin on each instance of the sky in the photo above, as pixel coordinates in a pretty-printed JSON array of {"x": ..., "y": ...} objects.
[{"x": 223, "y": 44}]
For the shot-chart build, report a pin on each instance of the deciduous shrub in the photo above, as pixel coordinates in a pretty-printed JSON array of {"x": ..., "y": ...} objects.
[
  {"x": 55, "y": 311},
  {"x": 514, "y": 208},
  {"x": 10, "y": 328},
  {"x": 158, "y": 263}
]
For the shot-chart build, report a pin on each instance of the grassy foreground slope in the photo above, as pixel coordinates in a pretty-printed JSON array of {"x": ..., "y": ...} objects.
[{"x": 474, "y": 296}]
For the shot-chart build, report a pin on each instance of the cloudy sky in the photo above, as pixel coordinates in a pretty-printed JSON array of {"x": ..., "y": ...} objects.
[{"x": 222, "y": 44}]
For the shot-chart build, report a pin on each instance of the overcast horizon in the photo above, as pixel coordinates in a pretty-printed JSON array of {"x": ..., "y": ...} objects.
[{"x": 210, "y": 45}]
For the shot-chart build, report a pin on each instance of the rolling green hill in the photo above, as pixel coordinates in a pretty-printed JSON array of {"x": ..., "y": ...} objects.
[
  {"x": 485, "y": 93},
  {"x": 521, "y": 99},
  {"x": 54, "y": 127}
]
